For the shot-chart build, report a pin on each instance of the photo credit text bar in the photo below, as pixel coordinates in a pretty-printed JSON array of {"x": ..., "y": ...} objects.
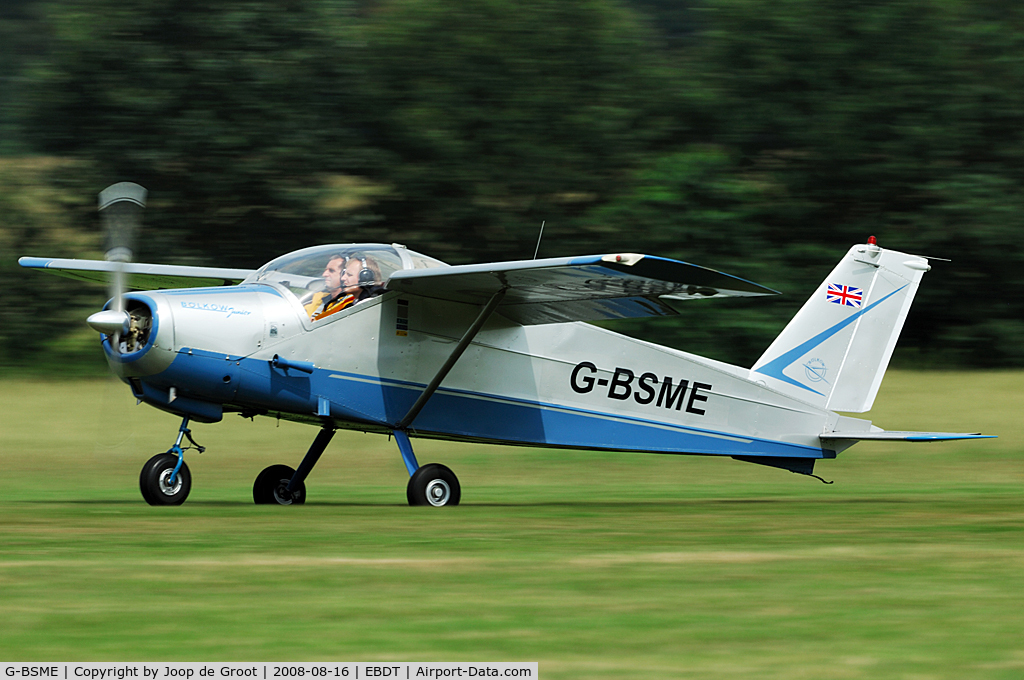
[{"x": 305, "y": 670}]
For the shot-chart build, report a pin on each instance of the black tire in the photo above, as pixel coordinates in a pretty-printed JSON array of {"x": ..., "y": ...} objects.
[
  {"x": 433, "y": 484},
  {"x": 154, "y": 485},
  {"x": 271, "y": 487}
]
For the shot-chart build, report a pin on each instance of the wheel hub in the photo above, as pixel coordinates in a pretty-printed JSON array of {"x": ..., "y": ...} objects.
[
  {"x": 166, "y": 487},
  {"x": 438, "y": 492},
  {"x": 282, "y": 495}
]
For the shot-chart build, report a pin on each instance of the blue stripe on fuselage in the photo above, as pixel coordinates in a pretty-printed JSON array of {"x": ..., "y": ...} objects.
[{"x": 461, "y": 413}]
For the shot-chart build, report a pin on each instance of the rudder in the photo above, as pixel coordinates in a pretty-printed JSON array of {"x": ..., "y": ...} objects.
[{"x": 834, "y": 352}]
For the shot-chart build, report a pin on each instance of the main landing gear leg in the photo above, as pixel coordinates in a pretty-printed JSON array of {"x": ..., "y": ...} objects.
[
  {"x": 165, "y": 479},
  {"x": 433, "y": 484},
  {"x": 281, "y": 485}
]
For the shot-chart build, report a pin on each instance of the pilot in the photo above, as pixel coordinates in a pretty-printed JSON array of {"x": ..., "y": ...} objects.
[
  {"x": 362, "y": 278},
  {"x": 335, "y": 296}
]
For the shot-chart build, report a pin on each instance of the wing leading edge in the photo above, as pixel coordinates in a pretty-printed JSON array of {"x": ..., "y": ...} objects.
[
  {"x": 589, "y": 288},
  {"x": 139, "y": 276}
]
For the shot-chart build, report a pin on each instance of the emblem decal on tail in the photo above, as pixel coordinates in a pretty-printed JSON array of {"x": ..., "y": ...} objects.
[
  {"x": 815, "y": 370},
  {"x": 776, "y": 366},
  {"x": 847, "y": 296}
]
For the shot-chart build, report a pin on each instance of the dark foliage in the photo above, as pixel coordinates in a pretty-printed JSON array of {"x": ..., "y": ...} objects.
[{"x": 754, "y": 137}]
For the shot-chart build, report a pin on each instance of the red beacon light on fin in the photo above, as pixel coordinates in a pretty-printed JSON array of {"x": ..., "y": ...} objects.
[
  {"x": 872, "y": 241},
  {"x": 628, "y": 259}
]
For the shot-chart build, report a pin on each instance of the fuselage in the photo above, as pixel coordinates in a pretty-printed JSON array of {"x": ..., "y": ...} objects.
[{"x": 212, "y": 350}]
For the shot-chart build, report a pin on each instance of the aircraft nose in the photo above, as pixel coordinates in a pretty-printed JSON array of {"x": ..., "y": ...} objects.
[{"x": 129, "y": 332}]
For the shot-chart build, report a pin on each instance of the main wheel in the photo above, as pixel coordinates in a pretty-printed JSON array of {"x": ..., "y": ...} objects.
[
  {"x": 433, "y": 484},
  {"x": 271, "y": 487},
  {"x": 155, "y": 480}
]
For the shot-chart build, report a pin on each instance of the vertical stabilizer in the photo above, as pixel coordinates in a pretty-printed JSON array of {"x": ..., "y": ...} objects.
[{"x": 834, "y": 352}]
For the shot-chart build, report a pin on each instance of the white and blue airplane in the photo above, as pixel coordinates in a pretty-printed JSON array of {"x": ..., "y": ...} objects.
[{"x": 498, "y": 353}]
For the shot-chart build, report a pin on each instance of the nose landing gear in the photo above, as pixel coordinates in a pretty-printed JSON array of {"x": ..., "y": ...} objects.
[{"x": 165, "y": 478}]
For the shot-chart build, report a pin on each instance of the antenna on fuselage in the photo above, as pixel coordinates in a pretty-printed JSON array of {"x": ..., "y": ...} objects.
[{"x": 539, "y": 237}]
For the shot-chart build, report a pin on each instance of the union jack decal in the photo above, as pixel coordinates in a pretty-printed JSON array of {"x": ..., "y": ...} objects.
[{"x": 844, "y": 295}]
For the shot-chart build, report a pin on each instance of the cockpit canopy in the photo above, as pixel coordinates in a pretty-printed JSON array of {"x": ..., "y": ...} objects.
[{"x": 301, "y": 271}]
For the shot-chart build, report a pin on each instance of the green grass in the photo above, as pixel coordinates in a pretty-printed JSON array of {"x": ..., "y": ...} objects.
[{"x": 595, "y": 565}]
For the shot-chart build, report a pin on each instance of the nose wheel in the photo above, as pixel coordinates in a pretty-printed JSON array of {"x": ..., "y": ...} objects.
[
  {"x": 165, "y": 479},
  {"x": 159, "y": 483}
]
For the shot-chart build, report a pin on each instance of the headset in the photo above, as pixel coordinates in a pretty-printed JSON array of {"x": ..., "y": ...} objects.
[{"x": 366, "y": 275}]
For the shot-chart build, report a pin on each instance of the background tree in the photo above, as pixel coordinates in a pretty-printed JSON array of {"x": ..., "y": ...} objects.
[
  {"x": 899, "y": 119},
  {"x": 759, "y": 138},
  {"x": 497, "y": 118},
  {"x": 22, "y": 37},
  {"x": 233, "y": 115},
  {"x": 42, "y": 319}
]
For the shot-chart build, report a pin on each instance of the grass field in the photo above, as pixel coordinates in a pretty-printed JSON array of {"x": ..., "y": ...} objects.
[{"x": 598, "y": 566}]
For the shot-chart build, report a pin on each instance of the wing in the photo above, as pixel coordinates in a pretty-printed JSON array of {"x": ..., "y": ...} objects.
[
  {"x": 588, "y": 288},
  {"x": 139, "y": 276}
]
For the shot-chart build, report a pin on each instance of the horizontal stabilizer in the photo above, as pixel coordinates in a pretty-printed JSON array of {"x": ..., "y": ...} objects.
[
  {"x": 589, "y": 288},
  {"x": 904, "y": 436},
  {"x": 139, "y": 276}
]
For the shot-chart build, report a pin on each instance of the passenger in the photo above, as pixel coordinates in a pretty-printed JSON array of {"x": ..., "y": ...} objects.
[
  {"x": 334, "y": 297},
  {"x": 362, "y": 278}
]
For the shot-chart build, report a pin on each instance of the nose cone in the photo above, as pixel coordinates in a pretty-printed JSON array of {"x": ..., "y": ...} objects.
[
  {"x": 145, "y": 346},
  {"x": 129, "y": 335},
  {"x": 109, "y": 321}
]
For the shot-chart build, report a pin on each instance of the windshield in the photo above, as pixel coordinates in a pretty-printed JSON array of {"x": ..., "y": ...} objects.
[{"x": 302, "y": 271}]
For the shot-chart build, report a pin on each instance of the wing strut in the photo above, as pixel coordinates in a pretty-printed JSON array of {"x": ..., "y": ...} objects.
[{"x": 467, "y": 338}]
